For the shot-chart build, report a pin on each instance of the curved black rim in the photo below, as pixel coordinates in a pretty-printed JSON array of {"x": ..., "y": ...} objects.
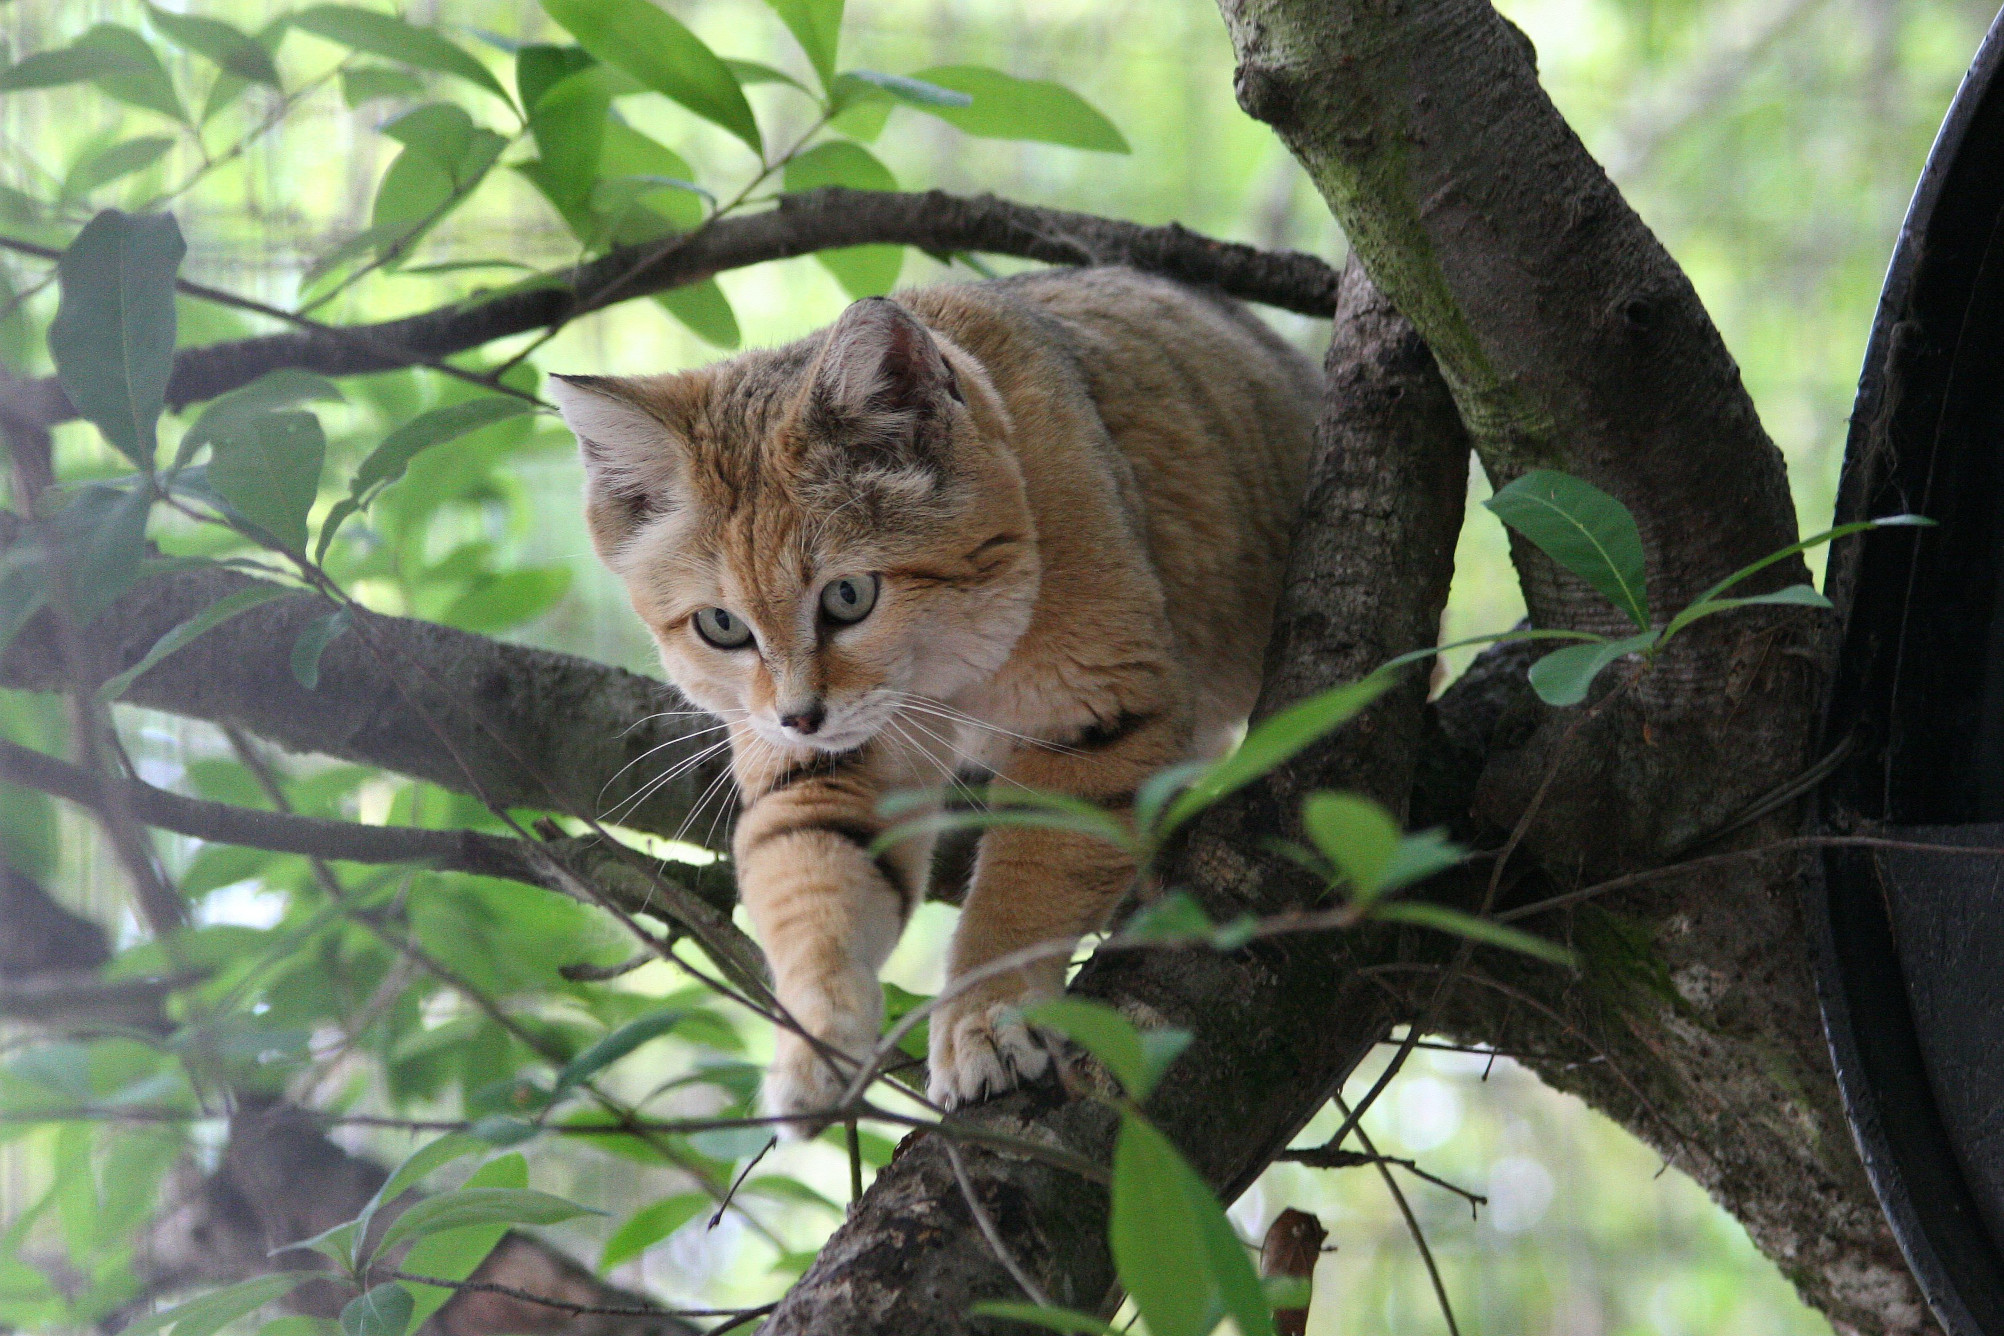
[{"x": 1919, "y": 688}]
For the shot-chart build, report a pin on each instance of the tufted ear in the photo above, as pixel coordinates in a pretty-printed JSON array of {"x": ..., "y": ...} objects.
[
  {"x": 633, "y": 461},
  {"x": 881, "y": 384}
]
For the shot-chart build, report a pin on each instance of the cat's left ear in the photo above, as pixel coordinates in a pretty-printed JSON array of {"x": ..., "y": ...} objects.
[
  {"x": 633, "y": 461},
  {"x": 882, "y": 377}
]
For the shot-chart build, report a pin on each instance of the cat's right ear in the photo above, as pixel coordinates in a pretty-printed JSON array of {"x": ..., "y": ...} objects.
[{"x": 633, "y": 463}]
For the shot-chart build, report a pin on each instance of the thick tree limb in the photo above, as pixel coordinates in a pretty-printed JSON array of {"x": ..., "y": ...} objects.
[
  {"x": 801, "y": 224},
  {"x": 1276, "y": 1027}
]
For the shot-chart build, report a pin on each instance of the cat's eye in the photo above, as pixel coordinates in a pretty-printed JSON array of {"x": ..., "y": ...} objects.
[
  {"x": 722, "y": 629},
  {"x": 850, "y": 598}
]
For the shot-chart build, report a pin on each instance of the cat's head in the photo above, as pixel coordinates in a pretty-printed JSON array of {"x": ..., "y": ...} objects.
[{"x": 814, "y": 534}]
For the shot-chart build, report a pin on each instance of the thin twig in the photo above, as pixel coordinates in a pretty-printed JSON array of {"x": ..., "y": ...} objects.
[
  {"x": 1007, "y": 1258},
  {"x": 1412, "y": 1221}
]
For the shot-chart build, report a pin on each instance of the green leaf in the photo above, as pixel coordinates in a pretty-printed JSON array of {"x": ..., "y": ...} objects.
[
  {"x": 1272, "y": 742},
  {"x": 300, "y": 1326},
  {"x": 1175, "y": 1250},
  {"x": 1355, "y": 834},
  {"x": 455, "y": 1254},
  {"x": 228, "y": 48},
  {"x": 113, "y": 57},
  {"x": 480, "y": 1206},
  {"x": 213, "y": 1311},
  {"x": 569, "y": 121},
  {"x": 227, "y": 87},
  {"x": 312, "y": 642},
  {"x": 1782, "y": 554},
  {"x": 863, "y": 271},
  {"x": 817, "y": 26},
  {"x": 1136, "y": 1059},
  {"x": 658, "y": 50},
  {"x": 1005, "y": 107},
  {"x": 899, "y": 88},
  {"x": 269, "y": 393},
  {"x": 180, "y": 636},
  {"x": 1050, "y": 1319},
  {"x": 268, "y": 470},
  {"x": 705, "y": 310},
  {"x": 100, "y": 537},
  {"x": 1176, "y": 917},
  {"x": 387, "y": 462},
  {"x": 113, "y": 335},
  {"x": 509, "y": 600},
  {"x": 366, "y": 83},
  {"x": 616, "y": 1046},
  {"x": 112, "y": 163},
  {"x": 392, "y": 38},
  {"x": 1564, "y": 676},
  {"x": 541, "y": 66},
  {"x": 444, "y": 158},
  {"x": 382, "y": 1311},
  {"x": 648, "y": 1226},
  {"x": 1799, "y": 596},
  {"x": 1583, "y": 529},
  {"x": 336, "y": 1244},
  {"x": 1429, "y": 915},
  {"x": 1497, "y": 638},
  {"x": 418, "y": 1165},
  {"x": 1419, "y": 856}
]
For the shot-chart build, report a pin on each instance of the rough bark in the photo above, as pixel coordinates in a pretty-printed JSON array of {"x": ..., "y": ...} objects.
[
  {"x": 833, "y": 216},
  {"x": 1276, "y": 1027}
]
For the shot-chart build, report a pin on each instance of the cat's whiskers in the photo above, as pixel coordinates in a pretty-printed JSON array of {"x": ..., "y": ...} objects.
[
  {"x": 686, "y": 737},
  {"x": 678, "y": 714},
  {"x": 940, "y": 709},
  {"x": 646, "y": 790}
]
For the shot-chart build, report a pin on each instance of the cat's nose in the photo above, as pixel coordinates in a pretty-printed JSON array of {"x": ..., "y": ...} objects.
[{"x": 807, "y": 719}]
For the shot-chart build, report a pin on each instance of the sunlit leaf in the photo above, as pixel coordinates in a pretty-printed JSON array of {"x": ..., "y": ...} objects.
[
  {"x": 648, "y": 1226},
  {"x": 541, "y": 66},
  {"x": 863, "y": 271},
  {"x": 393, "y": 38},
  {"x": 182, "y": 635},
  {"x": 817, "y": 26},
  {"x": 569, "y": 121},
  {"x": 1173, "y": 1246},
  {"x": 1272, "y": 742},
  {"x": 113, "y": 335},
  {"x": 113, "y": 163},
  {"x": 659, "y": 50},
  {"x": 1564, "y": 676},
  {"x": 1006, "y": 107},
  {"x": 217, "y": 1309},
  {"x": 1582, "y": 528},
  {"x": 705, "y": 310},
  {"x": 226, "y": 47},
  {"x": 1137, "y": 1059}
]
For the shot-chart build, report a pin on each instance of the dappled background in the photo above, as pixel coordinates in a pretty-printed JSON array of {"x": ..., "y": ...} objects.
[{"x": 1771, "y": 144}]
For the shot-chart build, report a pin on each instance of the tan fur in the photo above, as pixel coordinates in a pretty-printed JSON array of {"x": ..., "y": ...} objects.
[{"x": 1075, "y": 489}]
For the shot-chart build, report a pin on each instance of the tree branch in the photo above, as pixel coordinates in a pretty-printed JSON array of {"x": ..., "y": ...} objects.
[{"x": 799, "y": 225}]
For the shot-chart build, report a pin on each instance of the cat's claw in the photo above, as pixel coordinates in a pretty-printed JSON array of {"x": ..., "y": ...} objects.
[{"x": 980, "y": 1048}]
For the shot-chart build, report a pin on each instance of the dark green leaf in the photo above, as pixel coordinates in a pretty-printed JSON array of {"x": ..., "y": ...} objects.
[
  {"x": 382, "y": 1311},
  {"x": 1113, "y": 1039},
  {"x": 616, "y": 1046},
  {"x": 1564, "y": 676},
  {"x": 1454, "y": 921},
  {"x": 180, "y": 636},
  {"x": 1176, "y": 917},
  {"x": 1050, "y": 1319},
  {"x": 101, "y": 539},
  {"x": 1798, "y": 596},
  {"x": 268, "y": 470},
  {"x": 480, "y": 1206},
  {"x": 1173, "y": 1246},
  {"x": 1272, "y": 742},
  {"x": 455, "y": 1253},
  {"x": 705, "y": 310},
  {"x": 387, "y": 462},
  {"x": 817, "y": 26},
  {"x": 1782, "y": 554},
  {"x": 1005, "y": 107},
  {"x": 648, "y": 1226},
  {"x": 366, "y": 83},
  {"x": 115, "y": 58},
  {"x": 113, "y": 335},
  {"x": 113, "y": 162},
  {"x": 270, "y": 392},
  {"x": 658, "y": 50},
  {"x": 1583, "y": 529},
  {"x": 569, "y": 120},
  {"x": 313, "y": 641},
  {"x": 863, "y": 271},
  {"x": 226, "y": 47},
  {"x": 542, "y": 66},
  {"x": 217, "y": 1309},
  {"x": 416, "y": 1167},
  {"x": 392, "y": 38}
]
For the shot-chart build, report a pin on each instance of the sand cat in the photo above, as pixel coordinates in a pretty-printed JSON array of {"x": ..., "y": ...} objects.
[{"x": 1032, "y": 526}]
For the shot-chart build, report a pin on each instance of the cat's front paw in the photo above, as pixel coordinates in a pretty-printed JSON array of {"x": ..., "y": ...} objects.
[
  {"x": 982, "y": 1047},
  {"x": 805, "y": 1084}
]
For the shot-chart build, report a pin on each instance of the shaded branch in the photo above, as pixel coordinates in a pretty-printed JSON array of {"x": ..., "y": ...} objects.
[{"x": 800, "y": 224}]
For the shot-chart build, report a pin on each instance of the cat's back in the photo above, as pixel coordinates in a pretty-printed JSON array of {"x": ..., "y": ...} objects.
[{"x": 1210, "y": 409}]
